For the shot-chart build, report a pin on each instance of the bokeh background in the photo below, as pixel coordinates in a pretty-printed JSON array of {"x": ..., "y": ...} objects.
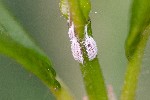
[{"x": 44, "y": 23}]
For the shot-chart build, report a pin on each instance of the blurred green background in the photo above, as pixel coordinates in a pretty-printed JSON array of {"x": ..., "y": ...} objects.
[{"x": 44, "y": 23}]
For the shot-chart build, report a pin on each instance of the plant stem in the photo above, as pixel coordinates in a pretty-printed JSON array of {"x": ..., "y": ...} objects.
[
  {"x": 63, "y": 93},
  {"x": 91, "y": 72},
  {"x": 77, "y": 16},
  {"x": 93, "y": 80},
  {"x": 134, "y": 68}
]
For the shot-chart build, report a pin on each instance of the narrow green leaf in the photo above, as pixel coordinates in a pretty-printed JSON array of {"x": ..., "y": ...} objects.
[
  {"x": 140, "y": 19},
  {"x": 85, "y": 6},
  {"x": 77, "y": 17},
  {"x": 80, "y": 15},
  {"x": 134, "y": 68},
  {"x": 15, "y": 43},
  {"x": 135, "y": 44}
]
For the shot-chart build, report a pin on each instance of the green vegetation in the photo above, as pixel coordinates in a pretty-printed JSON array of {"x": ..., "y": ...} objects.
[{"x": 16, "y": 44}]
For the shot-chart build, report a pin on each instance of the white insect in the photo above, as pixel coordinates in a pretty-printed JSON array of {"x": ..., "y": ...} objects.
[
  {"x": 88, "y": 42},
  {"x": 75, "y": 46},
  {"x": 76, "y": 50},
  {"x": 90, "y": 45}
]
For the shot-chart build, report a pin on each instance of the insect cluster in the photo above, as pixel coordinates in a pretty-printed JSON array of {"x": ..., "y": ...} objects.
[{"x": 88, "y": 42}]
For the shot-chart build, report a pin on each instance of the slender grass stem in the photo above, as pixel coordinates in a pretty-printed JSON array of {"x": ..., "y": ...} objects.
[
  {"x": 91, "y": 72},
  {"x": 134, "y": 68}
]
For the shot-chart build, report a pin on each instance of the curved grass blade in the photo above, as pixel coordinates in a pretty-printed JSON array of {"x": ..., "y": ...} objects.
[
  {"x": 140, "y": 19},
  {"x": 15, "y": 43},
  {"x": 135, "y": 44}
]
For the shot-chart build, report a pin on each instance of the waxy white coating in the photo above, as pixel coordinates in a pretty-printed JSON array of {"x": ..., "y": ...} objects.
[{"x": 89, "y": 43}]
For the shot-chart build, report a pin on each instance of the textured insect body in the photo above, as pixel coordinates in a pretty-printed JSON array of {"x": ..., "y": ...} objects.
[
  {"x": 90, "y": 45},
  {"x": 76, "y": 50},
  {"x": 75, "y": 45},
  {"x": 88, "y": 42}
]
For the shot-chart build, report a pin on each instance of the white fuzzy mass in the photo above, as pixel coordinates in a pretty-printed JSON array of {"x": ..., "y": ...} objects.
[
  {"x": 89, "y": 43},
  {"x": 76, "y": 50},
  {"x": 91, "y": 47}
]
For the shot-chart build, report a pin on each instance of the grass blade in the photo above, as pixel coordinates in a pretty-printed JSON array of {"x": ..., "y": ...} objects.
[
  {"x": 135, "y": 44},
  {"x": 15, "y": 43}
]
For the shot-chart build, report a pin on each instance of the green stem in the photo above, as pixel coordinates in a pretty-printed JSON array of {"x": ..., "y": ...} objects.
[
  {"x": 91, "y": 72},
  {"x": 77, "y": 17},
  {"x": 63, "y": 93},
  {"x": 134, "y": 68},
  {"x": 93, "y": 80}
]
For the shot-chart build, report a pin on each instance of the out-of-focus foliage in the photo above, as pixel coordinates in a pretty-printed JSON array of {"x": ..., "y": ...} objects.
[
  {"x": 15, "y": 43},
  {"x": 135, "y": 46},
  {"x": 140, "y": 19}
]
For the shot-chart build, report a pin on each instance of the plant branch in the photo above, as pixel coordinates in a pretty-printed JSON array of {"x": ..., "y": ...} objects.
[
  {"x": 91, "y": 72},
  {"x": 134, "y": 68},
  {"x": 135, "y": 44},
  {"x": 16, "y": 44}
]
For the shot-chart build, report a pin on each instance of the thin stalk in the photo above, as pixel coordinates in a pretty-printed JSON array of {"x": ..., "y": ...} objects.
[
  {"x": 77, "y": 16},
  {"x": 134, "y": 68},
  {"x": 63, "y": 93},
  {"x": 91, "y": 72},
  {"x": 93, "y": 80}
]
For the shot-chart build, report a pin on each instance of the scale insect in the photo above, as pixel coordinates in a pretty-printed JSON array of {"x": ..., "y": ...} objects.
[
  {"x": 75, "y": 45},
  {"x": 88, "y": 42},
  {"x": 90, "y": 45},
  {"x": 76, "y": 50}
]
